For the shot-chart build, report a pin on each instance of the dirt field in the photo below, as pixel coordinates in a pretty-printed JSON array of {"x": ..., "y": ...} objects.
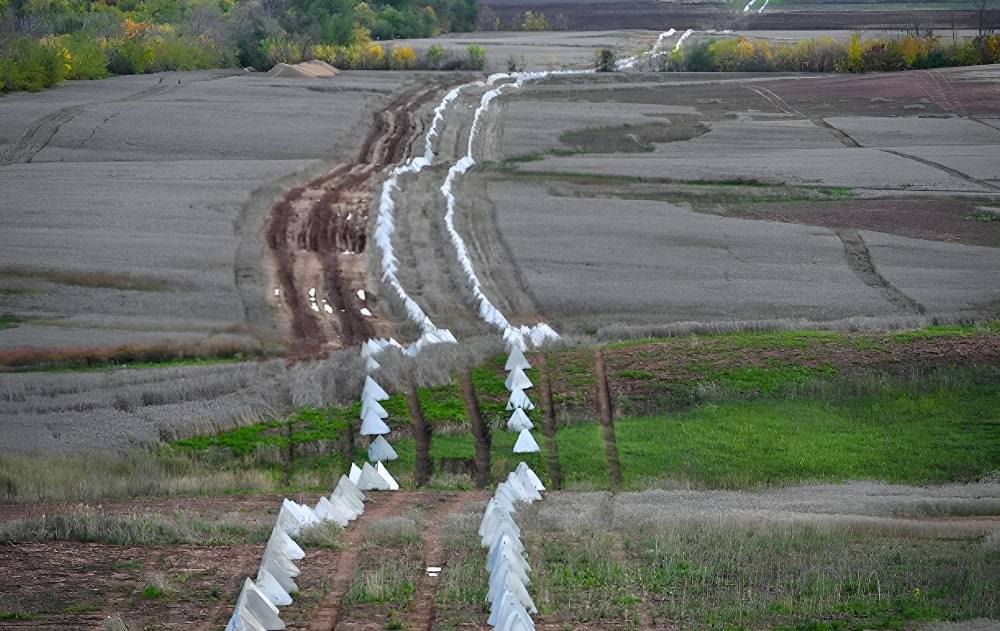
[
  {"x": 585, "y": 15},
  {"x": 69, "y": 584},
  {"x": 178, "y": 172},
  {"x": 659, "y": 230}
]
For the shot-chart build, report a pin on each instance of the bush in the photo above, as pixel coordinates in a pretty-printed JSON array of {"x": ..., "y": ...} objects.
[
  {"x": 87, "y": 57},
  {"x": 403, "y": 58},
  {"x": 434, "y": 55},
  {"x": 476, "y": 56},
  {"x": 825, "y": 55},
  {"x": 605, "y": 60},
  {"x": 129, "y": 56},
  {"x": 32, "y": 65}
]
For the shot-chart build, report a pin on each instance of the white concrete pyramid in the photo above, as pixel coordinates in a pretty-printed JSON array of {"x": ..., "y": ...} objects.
[
  {"x": 270, "y": 564},
  {"x": 305, "y": 514},
  {"x": 373, "y": 391},
  {"x": 371, "y": 405},
  {"x": 371, "y": 365},
  {"x": 516, "y": 359},
  {"x": 518, "y": 399},
  {"x": 280, "y": 562},
  {"x": 525, "y": 471},
  {"x": 527, "y": 491},
  {"x": 271, "y": 588},
  {"x": 525, "y": 443},
  {"x": 243, "y": 620},
  {"x": 355, "y": 505},
  {"x": 292, "y": 517},
  {"x": 381, "y": 451},
  {"x": 284, "y": 544},
  {"x": 509, "y": 547},
  {"x": 355, "y": 475},
  {"x": 337, "y": 513},
  {"x": 499, "y": 528},
  {"x": 372, "y": 425},
  {"x": 508, "y": 580},
  {"x": 519, "y": 421},
  {"x": 517, "y": 380},
  {"x": 370, "y": 480},
  {"x": 382, "y": 471},
  {"x": 506, "y": 610},
  {"x": 254, "y": 601},
  {"x": 516, "y": 619},
  {"x": 493, "y": 509},
  {"x": 346, "y": 486}
]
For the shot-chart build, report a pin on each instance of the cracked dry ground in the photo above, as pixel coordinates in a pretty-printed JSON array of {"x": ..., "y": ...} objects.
[{"x": 317, "y": 238}]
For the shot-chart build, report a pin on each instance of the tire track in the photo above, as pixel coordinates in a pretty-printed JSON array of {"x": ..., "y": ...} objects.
[
  {"x": 859, "y": 260},
  {"x": 41, "y": 131},
  {"x": 777, "y": 101},
  {"x": 944, "y": 168},
  {"x": 331, "y": 607},
  {"x": 421, "y": 613}
]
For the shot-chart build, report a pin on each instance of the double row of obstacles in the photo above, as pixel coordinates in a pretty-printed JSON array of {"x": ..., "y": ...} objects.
[
  {"x": 259, "y": 599},
  {"x": 511, "y": 605}
]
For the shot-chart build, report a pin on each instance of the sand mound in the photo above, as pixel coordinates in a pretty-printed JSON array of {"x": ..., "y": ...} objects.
[{"x": 312, "y": 69}]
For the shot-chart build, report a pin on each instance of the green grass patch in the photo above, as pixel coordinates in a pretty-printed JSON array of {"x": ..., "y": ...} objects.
[
  {"x": 899, "y": 435},
  {"x": 11, "y": 616},
  {"x": 9, "y": 322}
]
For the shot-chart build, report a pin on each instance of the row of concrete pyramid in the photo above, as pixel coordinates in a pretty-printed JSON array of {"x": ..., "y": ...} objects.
[
  {"x": 517, "y": 382},
  {"x": 259, "y": 599},
  {"x": 510, "y": 603}
]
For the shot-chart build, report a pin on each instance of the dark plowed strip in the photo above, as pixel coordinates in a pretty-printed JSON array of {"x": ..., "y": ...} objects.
[{"x": 859, "y": 259}]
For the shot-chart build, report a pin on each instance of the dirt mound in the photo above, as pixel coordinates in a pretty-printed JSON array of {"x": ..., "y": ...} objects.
[{"x": 312, "y": 69}]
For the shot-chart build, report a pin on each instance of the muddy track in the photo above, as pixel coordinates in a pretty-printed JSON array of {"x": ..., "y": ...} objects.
[{"x": 317, "y": 237}]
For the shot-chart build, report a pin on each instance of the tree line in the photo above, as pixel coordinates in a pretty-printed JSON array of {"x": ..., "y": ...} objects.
[{"x": 45, "y": 41}]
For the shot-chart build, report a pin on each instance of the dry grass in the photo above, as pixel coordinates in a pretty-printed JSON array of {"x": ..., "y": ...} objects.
[
  {"x": 102, "y": 357},
  {"x": 623, "y": 331},
  {"x": 83, "y": 478},
  {"x": 719, "y": 568},
  {"x": 103, "y": 280},
  {"x": 93, "y": 525}
]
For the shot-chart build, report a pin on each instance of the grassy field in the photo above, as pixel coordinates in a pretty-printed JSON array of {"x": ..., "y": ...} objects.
[{"x": 718, "y": 411}]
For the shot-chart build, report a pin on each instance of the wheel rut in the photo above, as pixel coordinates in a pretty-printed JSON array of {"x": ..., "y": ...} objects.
[
  {"x": 421, "y": 613},
  {"x": 330, "y": 609},
  {"x": 859, "y": 259}
]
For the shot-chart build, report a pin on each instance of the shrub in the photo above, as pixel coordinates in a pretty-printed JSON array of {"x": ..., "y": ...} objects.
[
  {"x": 476, "y": 56},
  {"x": 434, "y": 55},
  {"x": 605, "y": 60},
  {"x": 534, "y": 21},
  {"x": 32, "y": 65},
  {"x": 129, "y": 56},
  {"x": 88, "y": 59},
  {"x": 403, "y": 57}
]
